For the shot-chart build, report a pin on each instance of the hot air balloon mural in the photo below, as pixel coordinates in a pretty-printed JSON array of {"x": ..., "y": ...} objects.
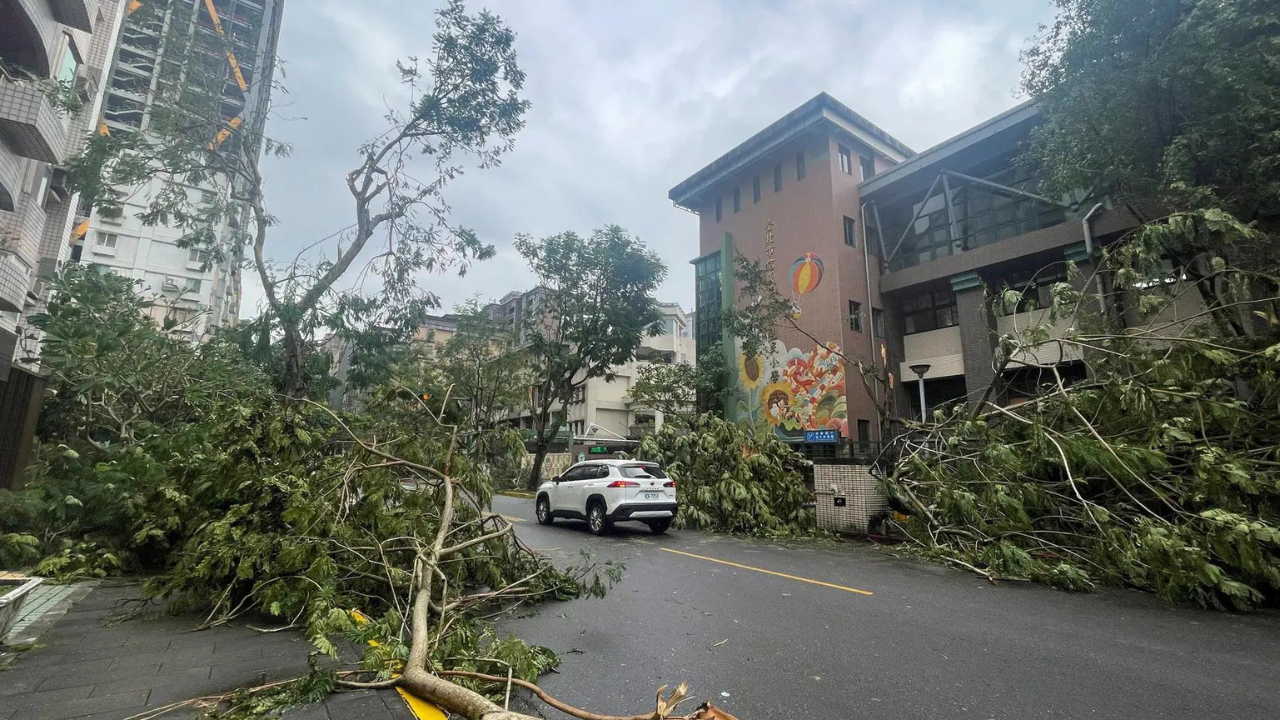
[{"x": 806, "y": 273}]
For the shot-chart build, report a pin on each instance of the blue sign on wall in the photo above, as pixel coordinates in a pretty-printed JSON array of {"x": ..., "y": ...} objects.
[{"x": 815, "y": 437}]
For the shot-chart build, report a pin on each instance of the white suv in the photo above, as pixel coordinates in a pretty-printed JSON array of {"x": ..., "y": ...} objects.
[{"x": 603, "y": 492}]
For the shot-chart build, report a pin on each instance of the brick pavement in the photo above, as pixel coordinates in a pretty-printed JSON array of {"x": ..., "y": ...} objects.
[
  {"x": 42, "y": 608},
  {"x": 90, "y": 664}
]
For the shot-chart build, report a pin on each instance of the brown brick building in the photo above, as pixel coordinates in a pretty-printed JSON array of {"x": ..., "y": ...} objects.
[{"x": 886, "y": 253}]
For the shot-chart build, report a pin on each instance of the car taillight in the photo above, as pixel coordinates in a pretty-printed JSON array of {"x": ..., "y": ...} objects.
[
  {"x": 623, "y": 483},
  {"x": 669, "y": 483}
]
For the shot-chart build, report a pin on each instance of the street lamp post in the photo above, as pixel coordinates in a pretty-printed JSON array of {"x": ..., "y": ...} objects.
[{"x": 920, "y": 371}]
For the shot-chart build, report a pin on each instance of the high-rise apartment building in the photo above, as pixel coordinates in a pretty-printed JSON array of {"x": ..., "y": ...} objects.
[
  {"x": 52, "y": 56},
  {"x": 891, "y": 257},
  {"x": 234, "y": 38}
]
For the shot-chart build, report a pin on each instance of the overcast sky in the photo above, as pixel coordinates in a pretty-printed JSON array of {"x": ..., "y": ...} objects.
[{"x": 628, "y": 99}]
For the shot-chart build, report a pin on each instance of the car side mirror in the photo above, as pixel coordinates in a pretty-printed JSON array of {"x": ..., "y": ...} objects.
[{"x": 556, "y": 480}]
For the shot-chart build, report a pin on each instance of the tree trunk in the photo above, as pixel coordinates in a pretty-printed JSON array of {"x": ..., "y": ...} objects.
[
  {"x": 539, "y": 457},
  {"x": 545, "y": 426},
  {"x": 295, "y": 385}
]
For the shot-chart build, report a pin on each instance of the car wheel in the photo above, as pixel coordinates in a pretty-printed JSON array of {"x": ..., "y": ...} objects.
[
  {"x": 544, "y": 511},
  {"x": 596, "y": 519},
  {"x": 659, "y": 526}
]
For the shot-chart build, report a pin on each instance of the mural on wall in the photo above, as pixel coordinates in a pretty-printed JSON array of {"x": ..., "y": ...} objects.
[
  {"x": 790, "y": 390},
  {"x": 806, "y": 273}
]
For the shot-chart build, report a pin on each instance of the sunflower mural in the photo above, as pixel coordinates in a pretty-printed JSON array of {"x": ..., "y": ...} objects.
[
  {"x": 794, "y": 390},
  {"x": 750, "y": 370}
]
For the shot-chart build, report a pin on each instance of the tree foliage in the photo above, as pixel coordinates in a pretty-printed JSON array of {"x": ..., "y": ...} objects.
[
  {"x": 593, "y": 307},
  {"x": 1158, "y": 474},
  {"x": 732, "y": 479},
  {"x": 1170, "y": 107},
  {"x": 486, "y": 365},
  {"x": 674, "y": 389}
]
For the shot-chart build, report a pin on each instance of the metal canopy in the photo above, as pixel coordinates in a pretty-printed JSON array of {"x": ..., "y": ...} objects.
[{"x": 953, "y": 230}]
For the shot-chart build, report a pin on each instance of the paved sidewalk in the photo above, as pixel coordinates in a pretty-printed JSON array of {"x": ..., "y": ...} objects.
[
  {"x": 93, "y": 664},
  {"x": 42, "y": 609}
]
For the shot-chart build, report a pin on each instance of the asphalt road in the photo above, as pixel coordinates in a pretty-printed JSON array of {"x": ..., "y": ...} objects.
[{"x": 880, "y": 637}]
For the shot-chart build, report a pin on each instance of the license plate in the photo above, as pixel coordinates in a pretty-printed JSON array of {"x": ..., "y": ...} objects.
[{"x": 651, "y": 496}]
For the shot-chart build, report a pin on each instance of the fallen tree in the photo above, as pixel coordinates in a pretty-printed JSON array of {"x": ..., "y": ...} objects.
[
  {"x": 1158, "y": 470},
  {"x": 733, "y": 479},
  {"x": 183, "y": 461}
]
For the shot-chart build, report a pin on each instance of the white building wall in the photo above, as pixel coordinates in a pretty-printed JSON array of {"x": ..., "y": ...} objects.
[{"x": 171, "y": 275}]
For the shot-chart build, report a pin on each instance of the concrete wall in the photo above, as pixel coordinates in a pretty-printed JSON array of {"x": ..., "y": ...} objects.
[
  {"x": 1048, "y": 353},
  {"x": 941, "y": 349}
]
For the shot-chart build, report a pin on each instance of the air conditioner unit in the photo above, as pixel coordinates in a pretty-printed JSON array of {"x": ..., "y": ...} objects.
[
  {"x": 87, "y": 81},
  {"x": 59, "y": 183},
  {"x": 169, "y": 284}
]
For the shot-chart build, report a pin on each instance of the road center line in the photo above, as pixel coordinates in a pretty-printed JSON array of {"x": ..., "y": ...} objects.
[{"x": 769, "y": 572}]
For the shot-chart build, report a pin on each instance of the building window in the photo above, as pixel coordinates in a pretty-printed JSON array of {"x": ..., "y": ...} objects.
[
  {"x": 707, "y": 300},
  {"x": 707, "y": 314},
  {"x": 192, "y": 285},
  {"x": 67, "y": 64},
  {"x": 208, "y": 197},
  {"x": 983, "y": 216},
  {"x": 864, "y": 431},
  {"x": 846, "y": 160},
  {"x": 855, "y": 316},
  {"x": 1035, "y": 290},
  {"x": 929, "y": 312},
  {"x": 877, "y": 322},
  {"x": 800, "y": 165},
  {"x": 719, "y": 209},
  {"x": 737, "y": 199},
  {"x": 755, "y": 189},
  {"x": 868, "y": 166},
  {"x": 849, "y": 233},
  {"x": 106, "y": 241},
  {"x": 196, "y": 256},
  {"x": 777, "y": 177}
]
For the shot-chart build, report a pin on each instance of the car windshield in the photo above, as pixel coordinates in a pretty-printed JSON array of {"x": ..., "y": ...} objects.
[{"x": 642, "y": 471}]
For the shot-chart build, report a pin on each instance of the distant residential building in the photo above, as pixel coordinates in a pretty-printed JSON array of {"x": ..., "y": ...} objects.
[
  {"x": 435, "y": 332},
  {"x": 53, "y": 54},
  {"x": 428, "y": 339},
  {"x": 512, "y": 311},
  {"x": 600, "y": 408}
]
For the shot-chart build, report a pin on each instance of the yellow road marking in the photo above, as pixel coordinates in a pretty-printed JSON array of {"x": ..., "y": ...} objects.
[
  {"x": 508, "y": 518},
  {"x": 769, "y": 572},
  {"x": 421, "y": 709}
]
